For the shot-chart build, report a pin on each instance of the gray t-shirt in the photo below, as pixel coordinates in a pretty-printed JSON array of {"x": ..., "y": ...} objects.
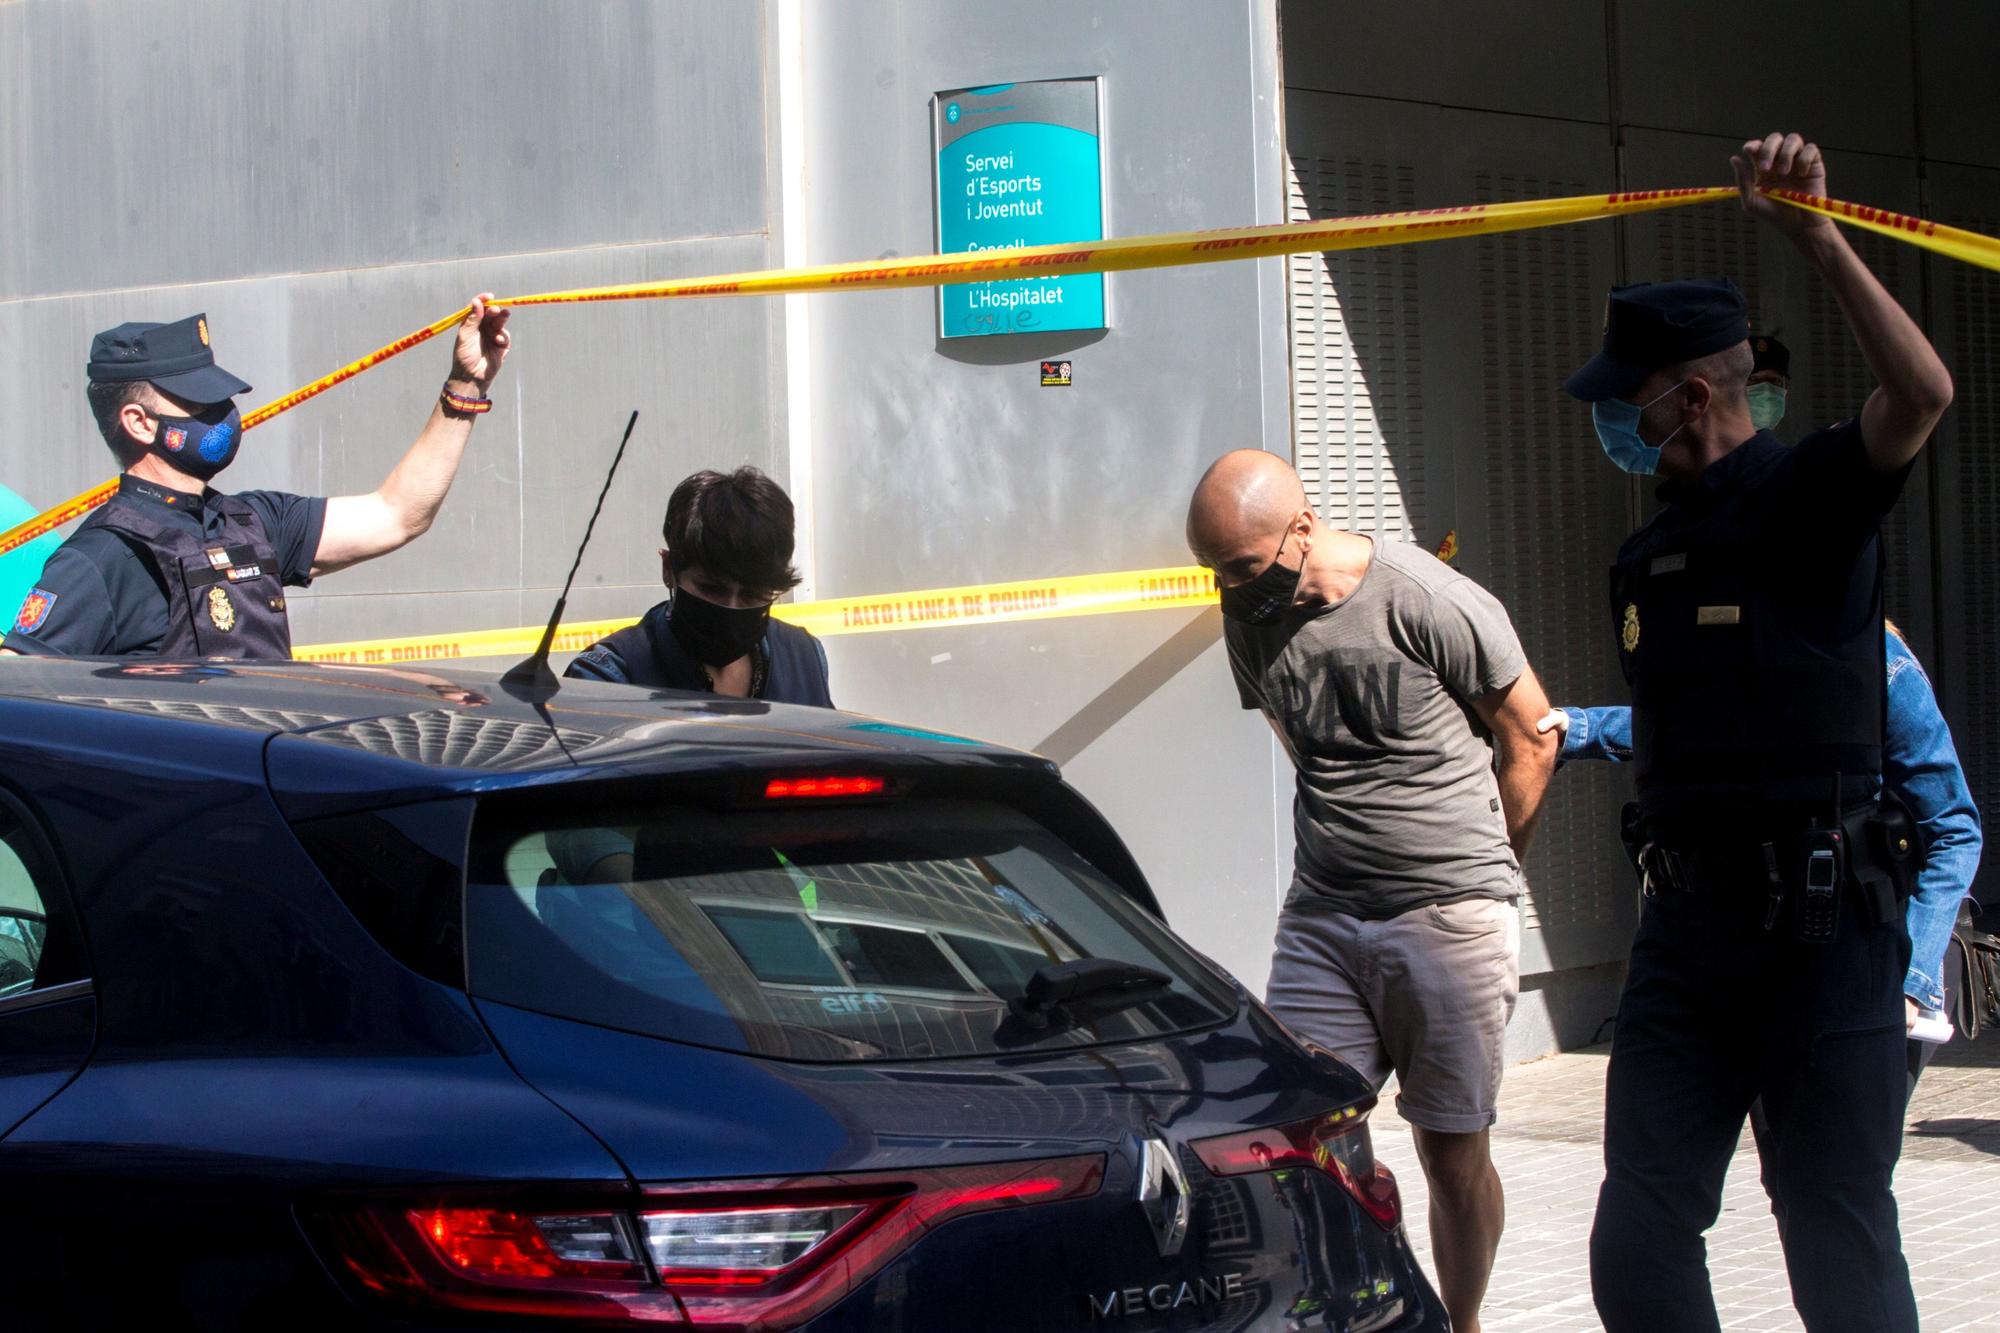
[{"x": 1397, "y": 803}]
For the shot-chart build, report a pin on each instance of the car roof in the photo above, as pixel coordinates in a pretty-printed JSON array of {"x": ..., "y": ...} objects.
[{"x": 423, "y": 728}]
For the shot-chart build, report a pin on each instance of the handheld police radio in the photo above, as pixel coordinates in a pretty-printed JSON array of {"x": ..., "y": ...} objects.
[
  {"x": 1819, "y": 907},
  {"x": 1826, "y": 866}
]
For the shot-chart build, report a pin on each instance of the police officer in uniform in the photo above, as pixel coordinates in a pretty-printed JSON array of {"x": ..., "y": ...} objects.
[
  {"x": 173, "y": 568},
  {"x": 1771, "y": 948},
  {"x": 1770, "y": 377},
  {"x": 728, "y": 556}
]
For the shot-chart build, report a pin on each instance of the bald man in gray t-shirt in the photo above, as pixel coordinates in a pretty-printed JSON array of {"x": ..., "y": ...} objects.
[
  {"x": 1384, "y": 673},
  {"x": 1398, "y": 805}
]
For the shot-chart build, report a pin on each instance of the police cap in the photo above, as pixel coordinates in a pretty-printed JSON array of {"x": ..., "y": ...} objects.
[
  {"x": 173, "y": 357},
  {"x": 1654, "y": 324},
  {"x": 1767, "y": 353}
]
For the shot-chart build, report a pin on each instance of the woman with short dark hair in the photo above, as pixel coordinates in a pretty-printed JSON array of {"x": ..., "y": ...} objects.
[{"x": 727, "y": 557}]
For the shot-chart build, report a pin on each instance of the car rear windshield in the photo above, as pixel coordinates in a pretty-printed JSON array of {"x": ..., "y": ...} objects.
[{"x": 884, "y": 932}]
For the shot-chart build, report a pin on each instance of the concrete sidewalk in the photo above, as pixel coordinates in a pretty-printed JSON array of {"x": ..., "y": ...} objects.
[{"x": 1548, "y": 1147}]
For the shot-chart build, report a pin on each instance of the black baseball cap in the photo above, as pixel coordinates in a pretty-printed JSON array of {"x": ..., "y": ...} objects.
[
  {"x": 1767, "y": 353},
  {"x": 1653, "y": 324},
  {"x": 174, "y": 357}
]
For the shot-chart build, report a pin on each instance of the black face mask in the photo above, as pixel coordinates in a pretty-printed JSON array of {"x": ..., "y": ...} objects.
[
  {"x": 200, "y": 446},
  {"x": 1261, "y": 600},
  {"x": 716, "y": 635}
]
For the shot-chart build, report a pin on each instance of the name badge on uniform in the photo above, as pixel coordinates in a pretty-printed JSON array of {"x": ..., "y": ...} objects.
[
  {"x": 242, "y": 572},
  {"x": 1718, "y": 615},
  {"x": 218, "y": 557},
  {"x": 1668, "y": 564}
]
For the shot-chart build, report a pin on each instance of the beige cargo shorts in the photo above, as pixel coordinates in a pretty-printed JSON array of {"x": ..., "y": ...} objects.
[{"x": 1426, "y": 995}]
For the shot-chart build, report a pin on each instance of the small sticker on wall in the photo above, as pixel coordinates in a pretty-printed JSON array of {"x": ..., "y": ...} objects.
[{"x": 1055, "y": 374}]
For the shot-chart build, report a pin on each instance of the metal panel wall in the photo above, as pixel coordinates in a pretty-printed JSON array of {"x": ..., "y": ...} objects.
[
  {"x": 1838, "y": 68},
  {"x": 177, "y": 142},
  {"x": 1967, "y": 673},
  {"x": 938, "y": 463},
  {"x": 1530, "y": 57},
  {"x": 1357, "y": 363},
  {"x": 321, "y": 178},
  {"x": 1958, "y": 97}
]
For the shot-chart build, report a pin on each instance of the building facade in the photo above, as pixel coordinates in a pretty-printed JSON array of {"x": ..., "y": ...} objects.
[{"x": 319, "y": 179}]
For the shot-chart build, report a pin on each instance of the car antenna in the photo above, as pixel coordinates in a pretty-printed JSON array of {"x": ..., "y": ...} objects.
[{"x": 534, "y": 673}]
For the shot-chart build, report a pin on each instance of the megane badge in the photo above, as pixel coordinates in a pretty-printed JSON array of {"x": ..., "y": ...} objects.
[{"x": 1163, "y": 1195}]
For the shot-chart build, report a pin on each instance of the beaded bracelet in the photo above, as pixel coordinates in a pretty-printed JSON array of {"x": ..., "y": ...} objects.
[{"x": 460, "y": 403}]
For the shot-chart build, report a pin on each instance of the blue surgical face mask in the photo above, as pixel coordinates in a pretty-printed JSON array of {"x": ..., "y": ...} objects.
[
  {"x": 1767, "y": 404},
  {"x": 1617, "y": 423}
]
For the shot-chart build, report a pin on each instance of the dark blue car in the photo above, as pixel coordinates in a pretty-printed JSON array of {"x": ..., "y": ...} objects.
[{"x": 365, "y": 998}]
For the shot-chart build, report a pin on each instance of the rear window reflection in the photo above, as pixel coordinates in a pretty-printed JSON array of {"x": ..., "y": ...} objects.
[{"x": 896, "y": 931}]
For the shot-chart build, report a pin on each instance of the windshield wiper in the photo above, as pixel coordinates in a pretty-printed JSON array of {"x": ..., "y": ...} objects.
[{"x": 1066, "y": 995}]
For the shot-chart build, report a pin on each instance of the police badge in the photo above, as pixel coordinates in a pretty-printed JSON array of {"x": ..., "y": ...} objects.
[
  {"x": 221, "y": 611},
  {"x": 1630, "y": 635}
]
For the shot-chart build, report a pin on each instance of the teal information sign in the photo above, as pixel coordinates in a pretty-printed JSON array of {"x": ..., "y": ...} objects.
[{"x": 1018, "y": 165}]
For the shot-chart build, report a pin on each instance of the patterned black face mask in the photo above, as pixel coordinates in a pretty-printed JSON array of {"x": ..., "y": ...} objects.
[
  {"x": 1261, "y": 600},
  {"x": 200, "y": 446}
]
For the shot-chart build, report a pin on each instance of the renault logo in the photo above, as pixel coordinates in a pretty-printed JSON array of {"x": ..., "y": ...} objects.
[{"x": 1163, "y": 1195}]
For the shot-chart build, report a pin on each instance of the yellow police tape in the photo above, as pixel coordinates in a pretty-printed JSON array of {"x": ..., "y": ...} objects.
[
  {"x": 1969, "y": 247},
  {"x": 1131, "y": 252},
  {"x": 1167, "y": 250},
  {"x": 932, "y": 608}
]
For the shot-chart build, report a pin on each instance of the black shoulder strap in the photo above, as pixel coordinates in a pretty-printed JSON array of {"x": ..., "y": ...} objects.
[{"x": 136, "y": 530}]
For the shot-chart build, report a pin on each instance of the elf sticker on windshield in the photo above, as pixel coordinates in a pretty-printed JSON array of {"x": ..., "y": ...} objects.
[
  {"x": 808, "y": 888},
  {"x": 34, "y": 613}
]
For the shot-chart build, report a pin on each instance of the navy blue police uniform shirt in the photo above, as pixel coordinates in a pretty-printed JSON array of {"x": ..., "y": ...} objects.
[
  {"x": 1817, "y": 500},
  {"x": 1796, "y": 529},
  {"x": 99, "y": 596}
]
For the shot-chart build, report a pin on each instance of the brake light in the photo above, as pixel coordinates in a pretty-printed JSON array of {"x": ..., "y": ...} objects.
[
  {"x": 489, "y": 1243},
  {"x": 764, "y": 1254},
  {"x": 778, "y": 789},
  {"x": 1336, "y": 1143}
]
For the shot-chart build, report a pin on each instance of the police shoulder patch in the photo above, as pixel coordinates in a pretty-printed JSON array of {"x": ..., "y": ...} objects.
[{"x": 34, "y": 612}]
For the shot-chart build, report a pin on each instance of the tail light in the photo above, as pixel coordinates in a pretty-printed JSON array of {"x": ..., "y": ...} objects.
[
  {"x": 780, "y": 789},
  {"x": 761, "y": 1254},
  {"x": 1336, "y": 1143}
]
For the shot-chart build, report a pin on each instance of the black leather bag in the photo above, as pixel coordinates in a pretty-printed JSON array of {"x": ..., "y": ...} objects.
[{"x": 1972, "y": 960}]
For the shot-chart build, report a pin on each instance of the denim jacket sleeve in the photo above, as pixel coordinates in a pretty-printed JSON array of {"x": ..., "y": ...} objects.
[
  {"x": 1597, "y": 733},
  {"x": 1920, "y": 764}
]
